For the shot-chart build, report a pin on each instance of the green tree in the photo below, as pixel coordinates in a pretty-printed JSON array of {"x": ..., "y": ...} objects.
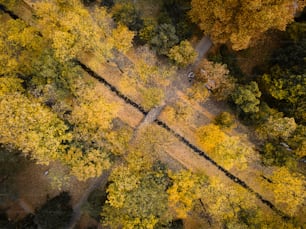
[
  {"x": 296, "y": 31},
  {"x": 285, "y": 85},
  {"x": 288, "y": 87},
  {"x": 183, "y": 54},
  {"x": 285, "y": 81},
  {"x": 127, "y": 14},
  {"x": 298, "y": 141},
  {"x": 137, "y": 196},
  {"x": 225, "y": 120},
  {"x": 54, "y": 84},
  {"x": 277, "y": 128},
  {"x": 247, "y": 97},
  {"x": 240, "y": 21},
  {"x": 278, "y": 155},
  {"x": 148, "y": 30},
  {"x": 164, "y": 39}
]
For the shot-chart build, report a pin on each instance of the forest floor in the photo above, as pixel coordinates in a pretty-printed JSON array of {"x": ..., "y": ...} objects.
[{"x": 34, "y": 187}]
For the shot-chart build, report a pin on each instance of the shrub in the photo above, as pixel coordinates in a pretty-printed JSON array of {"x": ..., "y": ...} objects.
[
  {"x": 183, "y": 54},
  {"x": 225, "y": 120},
  {"x": 127, "y": 15},
  {"x": 164, "y": 39},
  {"x": 152, "y": 97}
]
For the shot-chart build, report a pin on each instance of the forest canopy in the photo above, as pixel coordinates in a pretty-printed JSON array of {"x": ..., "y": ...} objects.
[
  {"x": 112, "y": 114},
  {"x": 238, "y": 22}
]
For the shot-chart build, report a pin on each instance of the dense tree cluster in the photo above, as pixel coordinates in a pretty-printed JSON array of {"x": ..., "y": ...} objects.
[
  {"x": 240, "y": 21},
  {"x": 51, "y": 110},
  {"x": 247, "y": 97},
  {"x": 227, "y": 151},
  {"x": 32, "y": 128},
  {"x": 285, "y": 82}
]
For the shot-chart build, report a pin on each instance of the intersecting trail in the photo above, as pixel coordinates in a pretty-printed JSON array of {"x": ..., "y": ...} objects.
[{"x": 151, "y": 116}]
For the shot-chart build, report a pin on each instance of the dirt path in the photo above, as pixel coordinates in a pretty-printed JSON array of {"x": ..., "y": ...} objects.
[
  {"x": 235, "y": 179},
  {"x": 202, "y": 48},
  {"x": 181, "y": 138},
  {"x": 181, "y": 81},
  {"x": 26, "y": 206},
  {"x": 100, "y": 181},
  {"x": 151, "y": 116}
]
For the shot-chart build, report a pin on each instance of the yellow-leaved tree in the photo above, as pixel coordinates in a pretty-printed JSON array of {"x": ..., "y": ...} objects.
[
  {"x": 91, "y": 118},
  {"x": 32, "y": 128},
  {"x": 88, "y": 164},
  {"x": 71, "y": 29},
  {"x": 122, "y": 38},
  {"x": 91, "y": 114},
  {"x": 226, "y": 150},
  {"x": 183, "y": 54},
  {"x": 20, "y": 45},
  {"x": 185, "y": 191},
  {"x": 228, "y": 205},
  {"x": 288, "y": 188},
  {"x": 210, "y": 136},
  {"x": 240, "y": 21}
]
